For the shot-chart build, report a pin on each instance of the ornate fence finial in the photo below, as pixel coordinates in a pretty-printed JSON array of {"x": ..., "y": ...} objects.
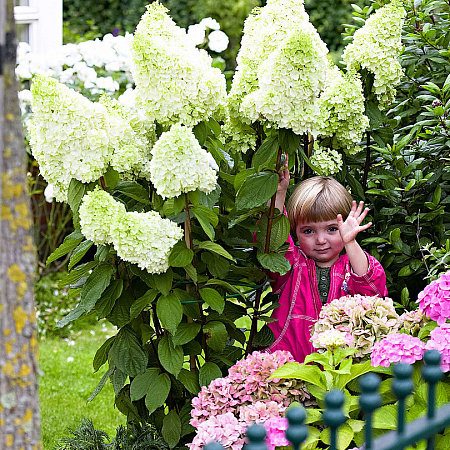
[
  {"x": 369, "y": 401},
  {"x": 297, "y": 432},
  {"x": 256, "y": 435},
  {"x": 333, "y": 416},
  {"x": 402, "y": 386}
]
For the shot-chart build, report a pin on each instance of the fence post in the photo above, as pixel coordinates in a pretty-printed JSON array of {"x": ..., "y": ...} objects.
[
  {"x": 432, "y": 374},
  {"x": 402, "y": 386},
  {"x": 256, "y": 435},
  {"x": 333, "y": 415},
  {"x": 369, "y": 401},
  {"x": 297, "y": 432}
]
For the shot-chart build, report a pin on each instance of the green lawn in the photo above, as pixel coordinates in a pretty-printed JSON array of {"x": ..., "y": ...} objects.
[{"x": 66, "y": 384}]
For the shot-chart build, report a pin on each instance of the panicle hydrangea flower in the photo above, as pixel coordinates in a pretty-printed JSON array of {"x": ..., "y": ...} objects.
[
  {"x": 342, "y": 108},
  {"x": 397, "y": 348},
  {"x": 276, "y": 432},
  {"x": 368, "y": 319},
  {"x": 99, "y": 212},
  {"x": 131, "y": 139},
  {"x": 440, "y": 341},
  {"x": 264, "y": 30},
  {"x": 289, "y": 83},
  {"x": 145, "y": 239},
  {"x": 224, "y": 429},
  {"x": 434, "y": 300},
  {"x": 376, "y": 47},
  {"x": 327, "y": 161},
  {"x": 179, "y": 164},
  {"x": 175, "y": 82},
  {"x": 331, "y": 339},
  {"x": 69, "y": 135},
  {"x": 413, "y": 321}
]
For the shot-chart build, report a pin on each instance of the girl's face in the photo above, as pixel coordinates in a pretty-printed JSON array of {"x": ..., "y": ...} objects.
[{"x": 320, "y": 241}]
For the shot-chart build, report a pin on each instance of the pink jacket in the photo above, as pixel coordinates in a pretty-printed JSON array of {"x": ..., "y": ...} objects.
[{"x": 300, "y": 302}]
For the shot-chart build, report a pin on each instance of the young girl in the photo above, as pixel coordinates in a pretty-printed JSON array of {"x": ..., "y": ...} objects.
[{"x": 325, "y": 220}]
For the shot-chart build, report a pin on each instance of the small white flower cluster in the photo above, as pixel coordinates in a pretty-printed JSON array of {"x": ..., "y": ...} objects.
[
  {"x": 281, "y": 69},
  {"x": 376, "y": 47},
  {"x": 175, "y": 82},
  {"x": 331, "y": 339},
  {"x": 131, "y": 139},
  {"x": 327, "y": 161},
  {"x": 144, "y": 239},
  {"x": 217, "y": 40},
  {"x": 98, "y": 215},
  {"x": 72, "y": 137},
  {"x": 179, "y": 164},
  {"x": 342, "y": 109},
  {"x": 69, "y": 135}
]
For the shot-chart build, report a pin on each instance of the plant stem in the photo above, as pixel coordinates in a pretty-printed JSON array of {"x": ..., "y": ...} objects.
[
  {"x": 266, "y": 250},
  {"x": 306, "y": 151},
  {"x": 102, "y": 182},
  {"x": 189, "y": 245},
  {"x": 367, "y": 163}
]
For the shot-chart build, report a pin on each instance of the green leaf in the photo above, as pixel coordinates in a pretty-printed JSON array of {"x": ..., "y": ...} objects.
[
  {"x": 385, "y": 418},
  {"x": 180, "y": 255},
  {"x": 208, "y": 214},
  {"x": 357, "y": 189},
  {"x": 308, "y": 373},
  {"x": 189, "y": 380},
  {"x": 128, "y": 354},
  {"x": 289, "y": 141},
  {"x": 217, "y": 265},
  {"x": 208, "y": 372},
  {"x": 256, "y": 190},
  {"x": 101, "y": 356},
  {"x": 266, "y": 152},
  {"x": 405, "y": 271},
  {"x": 102, "y": 383},
  {"x": 171, "y": 356},
  {"x": 203, "y": 220},
  {"x": 75, "y": 194},
  {"x": 118, "y": 379},
  {"x": 264, "y": 337},
  {"x": 169, "y": 311},
  {"x": 191, "y": 272},
  {"x": 106, "y": 302},
  {"x": 111, "y": 177},
  {"x": 213, "y": 299},
  {"x": 143, "y": 301},
  {"x": 374, "y": 114},
  {"x": 279, "y": 233},
  {"x": 158, "y": 391},
  {"x": 242, "y": 176},
  {"x": 97, "y": 282},
  {"x": 185, "y": 333},
  {"x": 146, "y": 332},
  {"x": 345, "y": 436},
  {"x": 217, "y": 335},
  {"x": 133, "y": 190},
  {"x": 213, "y": 247},
  {"x": 201, "y": 132},
  {"x": 70, "y": 242},
  {"x": 146, "y": 277},
  {"x": 214, "y": 126},
  {"x": 120, "y": 314},
  {"x": 163, "y": 281},
  {"x": 171, "y": 429},
  {"x": 73, "y": 315},
  {"x": 140, "y": 385},
  {"x": 102, "y": 253},
  {"x": 274, "y": 262}
]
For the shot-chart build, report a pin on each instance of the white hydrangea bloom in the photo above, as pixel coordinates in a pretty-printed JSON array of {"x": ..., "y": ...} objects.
[
  {"x": 327, "y": 161},
  {"x": 175, "y": 82},
  {"x": 179, "y": 164},
  {"x": 99, "y": 212},
  {"x": 131, "y": 139},
  {"x": 145, "y": 239},
  {"x": 218, "y": 41},
  {"x": 209, "y": 22},
  {"x": 196, "y": 33},
  {"x": 269, "y": 62},
  {"x": 342, "y": 109},
  {"x": 69, "y": 135},
  {"x": 376, "y": 47}
]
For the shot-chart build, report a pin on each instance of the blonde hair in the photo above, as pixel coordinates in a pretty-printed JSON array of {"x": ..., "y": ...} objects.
[{"x": 318, "y": 199}]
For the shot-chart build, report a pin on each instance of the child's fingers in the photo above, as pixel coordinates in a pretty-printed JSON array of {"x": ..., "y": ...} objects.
[
  {"x": 364, "y": 227},
  {"x": 363, "y": 215},
  {"x": 360, "y": 208}
]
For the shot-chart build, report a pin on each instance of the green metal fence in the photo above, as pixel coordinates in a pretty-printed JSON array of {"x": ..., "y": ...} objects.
[{"x": 406, "y": 434}]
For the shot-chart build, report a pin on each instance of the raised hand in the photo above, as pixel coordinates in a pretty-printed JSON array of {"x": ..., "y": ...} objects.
[
  {"x": 283, "y": 177},
  {"x": 350, "y": 228}
]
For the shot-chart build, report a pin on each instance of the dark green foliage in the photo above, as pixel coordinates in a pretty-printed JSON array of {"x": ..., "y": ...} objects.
[{"x": 85, "y": 437}]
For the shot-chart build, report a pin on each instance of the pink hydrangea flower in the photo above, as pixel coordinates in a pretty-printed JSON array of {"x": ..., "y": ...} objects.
[
  {"x": 434, "y": 300},
  {"x": 224, "y": 429},
  {"x": 260, "y": 412},
  {"x": 276, "y": 428},
  {"x": 397, "y": 347},
  {"x": 440, "y": 341}
]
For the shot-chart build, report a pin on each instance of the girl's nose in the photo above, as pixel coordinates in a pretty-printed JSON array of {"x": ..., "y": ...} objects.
[{"x": 320, "y": 238}]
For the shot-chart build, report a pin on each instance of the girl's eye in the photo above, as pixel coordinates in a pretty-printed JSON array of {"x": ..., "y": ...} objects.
[
  {"x": 332, "y": 229},
  {"x": 307, "y": 231}
]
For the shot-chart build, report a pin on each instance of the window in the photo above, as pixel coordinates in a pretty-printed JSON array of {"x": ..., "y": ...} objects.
[{"x": 39, "y": 23}]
